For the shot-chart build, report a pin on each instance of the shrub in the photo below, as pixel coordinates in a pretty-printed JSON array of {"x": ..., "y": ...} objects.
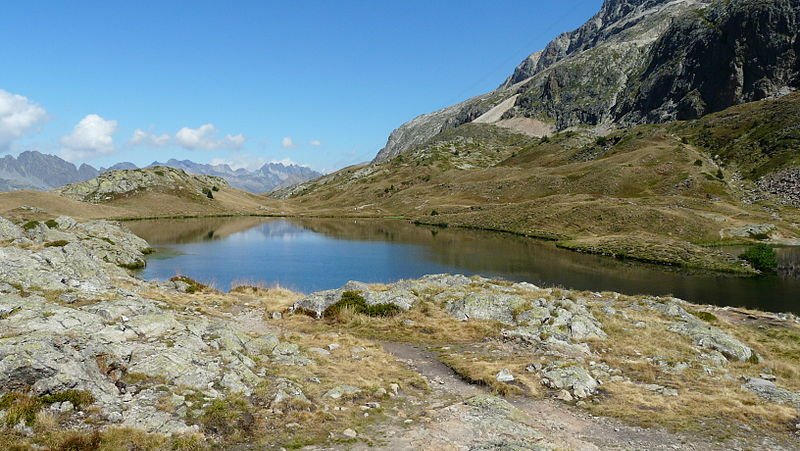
[
  {"x": 78, "y": 398},
  {"x": 354, "y": 301},
  {"x": 698, "y": 162},
  {"x": 30, "y": 225},
  {"x": 57, "y": 243},
  {"x": 215, "y": 188},
  {"x": 720, "y": 175},
  {"x": 19, "y": 407},
  {"x": 209, "y": 194},
  {"x": 227, "y": 417},
  {"x": 51, "y": 223},
  {"x": 434, "y": 213},
  {"x": 762, "y": 257}
]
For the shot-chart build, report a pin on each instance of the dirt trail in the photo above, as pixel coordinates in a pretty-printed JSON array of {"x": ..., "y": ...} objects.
[{"x": 564, "y": 426}]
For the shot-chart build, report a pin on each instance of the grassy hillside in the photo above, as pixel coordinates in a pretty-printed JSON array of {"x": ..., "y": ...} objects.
[
  {"x": 140, "y": 193},
  {"x": 683, "y": 183}
]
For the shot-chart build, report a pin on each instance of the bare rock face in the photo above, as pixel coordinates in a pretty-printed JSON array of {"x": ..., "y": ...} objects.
[{"x": 640, "y": 61}]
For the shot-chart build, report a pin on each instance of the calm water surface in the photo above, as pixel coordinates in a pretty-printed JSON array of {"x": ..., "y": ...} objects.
[{"x": 317, "y": 254}]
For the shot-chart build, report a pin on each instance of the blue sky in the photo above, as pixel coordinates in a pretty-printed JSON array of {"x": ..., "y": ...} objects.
[{"x": 321, "y": 83}]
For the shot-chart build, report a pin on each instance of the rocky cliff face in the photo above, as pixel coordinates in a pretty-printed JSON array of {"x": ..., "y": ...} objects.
[{"x": 637, "y": 61}]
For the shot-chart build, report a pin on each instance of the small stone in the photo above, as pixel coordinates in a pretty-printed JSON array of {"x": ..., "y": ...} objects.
[
  {"x": 408, "y": 323},
  {"x": 276, "y": 315},
  {"x": 394, "y": 389},
  {"x": 505, "y": 376},
  {"x": 333, "y": 347},
  {"x": 373, "y": 405},
  {"x": 66, "y": 406},
  {"x": 349, "y": 433},
  {"x": 564, "y": 396}
]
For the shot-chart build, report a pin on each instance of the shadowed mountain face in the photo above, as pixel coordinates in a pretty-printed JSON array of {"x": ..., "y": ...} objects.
[
  {"x": 636, "y": 61},
  {"x": 35, "y": 170}
]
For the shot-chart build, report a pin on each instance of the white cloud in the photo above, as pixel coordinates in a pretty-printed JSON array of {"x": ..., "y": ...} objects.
[
  {"x": 143, "y": 138},
  {"x": 17, "y": 116},
  {"x": 287, "y": 142},
  {"x": 315, "y": 142},
  {"x": 204, "y": 138},
  {"x": 92, "y": 136}
]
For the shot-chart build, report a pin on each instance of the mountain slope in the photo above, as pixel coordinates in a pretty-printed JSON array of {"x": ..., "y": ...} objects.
[
  {"x": 651, "y": 192},
  {"x": 35, "y": 170},
  {"x": 637, "y": 61}
]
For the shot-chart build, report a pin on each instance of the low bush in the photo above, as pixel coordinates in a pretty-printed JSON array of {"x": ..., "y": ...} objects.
[
  {"x": 355, "y": 302},
  {"x": 229, "y": 417},
  {"x": 57, "y": 243},
  {"x": 78, "y": 398},
  {"x": 762, "y": 257}
]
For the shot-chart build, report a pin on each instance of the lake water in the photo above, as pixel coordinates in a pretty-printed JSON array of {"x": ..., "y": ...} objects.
[{"x": 315, "y": 254}]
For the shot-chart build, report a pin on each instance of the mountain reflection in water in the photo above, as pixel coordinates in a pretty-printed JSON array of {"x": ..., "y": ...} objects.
[{"x": 315, "y": 254}]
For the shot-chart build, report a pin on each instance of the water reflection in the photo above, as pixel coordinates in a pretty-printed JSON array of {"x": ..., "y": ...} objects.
[{"x": 314, "y": 254}]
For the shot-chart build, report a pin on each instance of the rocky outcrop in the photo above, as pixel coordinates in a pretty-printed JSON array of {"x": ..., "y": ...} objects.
[
  {"x": 68, "y": 326},
  {"x": 785, "y": 185},
  {"x": 640, "y": 61},
  {"x": 62, "y": 254},
  {"x": 114, "y": 184}
]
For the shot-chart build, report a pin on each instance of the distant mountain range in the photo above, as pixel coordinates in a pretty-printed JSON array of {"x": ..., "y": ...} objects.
[{"x": 33, "y": 170}]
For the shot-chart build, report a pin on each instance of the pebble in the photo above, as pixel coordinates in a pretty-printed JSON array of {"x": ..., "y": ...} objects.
[
  {"x": 505, "y": 376},
  {"x": 349, "y": 433}
]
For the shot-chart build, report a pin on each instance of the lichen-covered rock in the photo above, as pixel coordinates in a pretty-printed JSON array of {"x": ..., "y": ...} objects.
[
  {"x": 9, "y": 230},
  {"x": 577, "y": 380},
  {"x": 702, "y": 333},
  {"x": 70, "y": 327},
  {"x": 771, "y": 392}
]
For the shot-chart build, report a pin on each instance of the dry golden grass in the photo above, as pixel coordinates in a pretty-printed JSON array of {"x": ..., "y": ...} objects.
[
  {"x": 426, "y": 323},
  {"x": 712, "y": 403},
  {"x": 370, "y": 370},
  {"x": 482, "y": 369},
  {"x": 110, "y": 439}
]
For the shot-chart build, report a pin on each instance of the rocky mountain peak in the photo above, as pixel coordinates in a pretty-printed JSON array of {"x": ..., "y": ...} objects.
[{"x": 636, "y": 61}]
